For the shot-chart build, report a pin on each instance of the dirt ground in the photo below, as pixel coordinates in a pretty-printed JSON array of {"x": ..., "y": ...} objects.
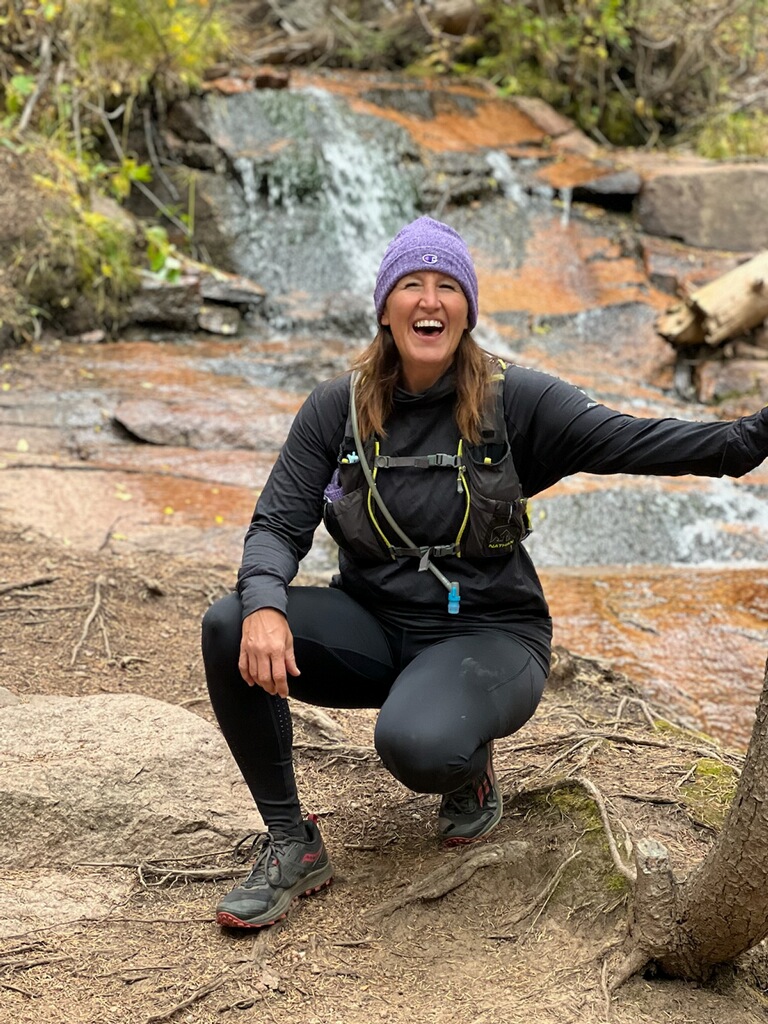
[{"x": 526, "y": 927}]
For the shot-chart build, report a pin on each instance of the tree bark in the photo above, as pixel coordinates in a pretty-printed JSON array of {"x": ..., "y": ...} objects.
[
  {"x": 721, "y": 910},
  {"x": 728, "y": 306}
]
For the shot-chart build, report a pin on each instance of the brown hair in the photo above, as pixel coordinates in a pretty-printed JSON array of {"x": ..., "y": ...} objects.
[{"x": 379, "y": 368}]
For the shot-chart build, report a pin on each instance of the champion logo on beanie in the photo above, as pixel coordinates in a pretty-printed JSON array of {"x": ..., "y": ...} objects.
[{"x": 427, "y": 242}]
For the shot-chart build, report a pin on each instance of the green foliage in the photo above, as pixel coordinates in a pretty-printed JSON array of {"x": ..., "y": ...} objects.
[
  {"x": 628, "y": 72},
  {"x": 19, "y": 88},
  {"x": 729, "y": 135},
  {"x": 161, "y": 254},
  {"x": 132, "y": 44},
  {"x": 77, "y": 254},
  {"x": 565, "y": 54}
]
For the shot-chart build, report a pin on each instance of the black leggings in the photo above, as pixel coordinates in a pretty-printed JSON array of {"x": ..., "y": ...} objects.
[{"x": 441, "y": 698}]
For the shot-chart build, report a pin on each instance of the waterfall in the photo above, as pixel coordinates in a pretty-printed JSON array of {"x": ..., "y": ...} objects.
[{"x": 322, "y": 189}]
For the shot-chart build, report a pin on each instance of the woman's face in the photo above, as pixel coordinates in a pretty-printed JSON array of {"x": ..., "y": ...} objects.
[{"x": 427, "y": 314}]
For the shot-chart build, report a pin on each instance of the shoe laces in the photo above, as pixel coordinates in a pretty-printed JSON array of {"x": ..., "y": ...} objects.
[
  {"x": 267, "y": 849},
  {"x": 465, "y": 800}
]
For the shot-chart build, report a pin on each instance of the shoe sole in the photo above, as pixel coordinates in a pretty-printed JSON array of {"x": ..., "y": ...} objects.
[{"x": 227, "y": 920}]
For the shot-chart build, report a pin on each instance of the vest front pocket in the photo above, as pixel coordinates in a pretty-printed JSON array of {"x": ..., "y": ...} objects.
[
  {"x": 495, "y": 527},
  {"x": 348, "y": 523}
]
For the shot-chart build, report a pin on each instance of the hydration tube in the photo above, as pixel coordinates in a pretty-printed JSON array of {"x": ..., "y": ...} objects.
[{"x": 451, "y": 586}]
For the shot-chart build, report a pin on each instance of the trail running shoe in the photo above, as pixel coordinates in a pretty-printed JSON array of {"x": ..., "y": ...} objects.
[
  {"x": 285, "y": 868},
  {"x": 472, "y": 812}
]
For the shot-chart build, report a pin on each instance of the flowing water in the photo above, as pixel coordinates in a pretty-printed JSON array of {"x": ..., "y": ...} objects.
[{"x": 666, "y": 579}]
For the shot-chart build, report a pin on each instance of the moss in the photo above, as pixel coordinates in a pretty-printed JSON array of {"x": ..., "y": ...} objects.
[
  {"x": 665, "y": 726},
  {"x": 710, "y": 793},
  {"x": 594, "y": 880}
]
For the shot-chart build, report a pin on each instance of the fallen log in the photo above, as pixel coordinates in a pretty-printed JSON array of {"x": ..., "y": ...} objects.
[{"x": 725, "y": 308}]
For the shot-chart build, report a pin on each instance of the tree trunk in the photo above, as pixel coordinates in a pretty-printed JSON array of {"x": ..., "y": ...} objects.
[{"x": 721, "y": 909}]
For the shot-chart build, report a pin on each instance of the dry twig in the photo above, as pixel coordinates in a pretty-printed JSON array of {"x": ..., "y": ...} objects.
[
  {"x": 99, "y": 583},
  {"x": 39, "y": 581}
]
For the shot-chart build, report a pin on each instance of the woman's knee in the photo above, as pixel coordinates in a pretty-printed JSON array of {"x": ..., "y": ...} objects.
[
  {"x": 222, "y": 630},
  {"x": 424, "y": 762}
]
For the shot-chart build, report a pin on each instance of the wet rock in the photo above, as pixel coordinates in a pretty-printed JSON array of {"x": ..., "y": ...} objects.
[
  {"x": 183, "y": 119},
  {"x": 201, "y": 298},
  {"x": 737, "y": 384},
  {"x": 457, "y": 179},
  {"x": 113, "y": 777},
  {"x": 202, "y": 156},
  {"x": 233, "y": 80},
  {"x": 231, "y": 289},
  {"x": 205, "y": 424},
  {"x": 575, "y": 141},
  {"x": 420, "y": 101},
  {"x": 171, "y": 304},
  {"x": 675, "y": 268},
  {"x": 217, "y": 319},
  {"x": 616, "y": 191},
  {"x": 717, "y": 207},
  {"x": 544, "y": 116}
]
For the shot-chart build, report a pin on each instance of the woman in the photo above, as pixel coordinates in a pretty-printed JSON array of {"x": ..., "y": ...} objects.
[{"x": 418, "y": 462}]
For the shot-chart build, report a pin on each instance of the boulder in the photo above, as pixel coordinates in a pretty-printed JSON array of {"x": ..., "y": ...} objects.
[
  {"x": 114, "y": 778},
  {"x": 715, "y": 207},
  {"x": 33, "y": 899},
  {"x": 208, "y": 423}
]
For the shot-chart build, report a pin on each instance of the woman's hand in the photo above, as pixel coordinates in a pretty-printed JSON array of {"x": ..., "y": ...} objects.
[{"x": 266, "y": 651}]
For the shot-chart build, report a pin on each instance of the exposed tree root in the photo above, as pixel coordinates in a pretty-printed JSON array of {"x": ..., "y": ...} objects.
[{"x": 451, "y": 875}]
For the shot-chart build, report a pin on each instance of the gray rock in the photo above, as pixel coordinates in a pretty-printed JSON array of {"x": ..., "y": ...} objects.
[
  {"x": 716, "y": 207},
  {"x": 218, "y": 319},
  {"x": 206, "y": 424},
  {"x": 35, "y": 899},
  {"x": 114, "y": 777}
]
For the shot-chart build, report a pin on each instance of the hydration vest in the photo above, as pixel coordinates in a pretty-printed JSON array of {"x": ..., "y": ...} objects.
[{"x": 495, "y": 518}]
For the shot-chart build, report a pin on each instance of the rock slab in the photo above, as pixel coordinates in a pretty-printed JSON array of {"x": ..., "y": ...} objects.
[{"x": 114, "y": 777}]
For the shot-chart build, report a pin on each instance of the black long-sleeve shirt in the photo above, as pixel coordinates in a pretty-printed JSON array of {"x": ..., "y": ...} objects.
[{"x": 554, "y": 429}]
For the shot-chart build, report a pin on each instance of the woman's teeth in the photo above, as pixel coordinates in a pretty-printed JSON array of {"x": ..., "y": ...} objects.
[{"x": 428, "y": 327}]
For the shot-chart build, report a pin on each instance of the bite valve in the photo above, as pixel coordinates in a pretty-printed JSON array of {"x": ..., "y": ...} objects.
[{"x": 453, "y": 599}]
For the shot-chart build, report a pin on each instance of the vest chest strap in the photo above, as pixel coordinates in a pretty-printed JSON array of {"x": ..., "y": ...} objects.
[{"x": 440, "y": 461}]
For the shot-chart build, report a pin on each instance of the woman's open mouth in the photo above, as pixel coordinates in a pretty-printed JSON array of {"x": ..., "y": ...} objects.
[{"x": 429, "y": 328}]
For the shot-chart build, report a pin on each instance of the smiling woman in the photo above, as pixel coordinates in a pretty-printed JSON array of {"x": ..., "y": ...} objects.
[
  {"x": 419, "y": 462},
  {"x": 427, "y": 314}
]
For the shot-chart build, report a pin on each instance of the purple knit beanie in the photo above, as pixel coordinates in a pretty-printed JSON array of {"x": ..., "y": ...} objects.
[{"x": 427, "y": 244}]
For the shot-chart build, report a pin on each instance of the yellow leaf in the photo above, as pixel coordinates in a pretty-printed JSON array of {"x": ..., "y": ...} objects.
[
  {"x": 22, "y": 445},
  {"x": 5, "y": 386},
  {"x": 168, "y": 511},
  {"x": 219, "y": 520},
  {"x": 119, "y": 536},
  {"x": 146, "y": 384}
]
